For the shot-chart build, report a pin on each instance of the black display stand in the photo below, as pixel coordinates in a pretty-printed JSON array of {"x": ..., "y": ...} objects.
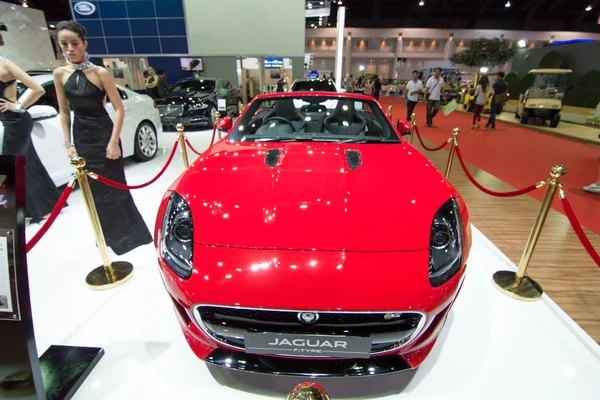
[{"x": 62, "y": 369}]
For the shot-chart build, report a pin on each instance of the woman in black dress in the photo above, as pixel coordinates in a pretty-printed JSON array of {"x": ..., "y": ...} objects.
[
  {"x": 41, "y": 193},
  {"x": 82, "y": 87},
  {"x": 283, "y": 84}
]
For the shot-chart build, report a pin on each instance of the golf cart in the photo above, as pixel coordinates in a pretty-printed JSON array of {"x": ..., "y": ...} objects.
[{"x": 544, "y": 98}]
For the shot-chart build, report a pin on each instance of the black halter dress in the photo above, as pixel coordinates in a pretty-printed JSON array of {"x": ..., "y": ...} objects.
[
  {"x": 122, "y": 225},
  {"x": 41, "y": 194}
]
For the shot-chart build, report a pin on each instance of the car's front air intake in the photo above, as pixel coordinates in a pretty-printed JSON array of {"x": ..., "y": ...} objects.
[
  {"x": 353, "y": 157},
  {"x": 272, "y": 157},
  {"x": 388, "y": 330}
]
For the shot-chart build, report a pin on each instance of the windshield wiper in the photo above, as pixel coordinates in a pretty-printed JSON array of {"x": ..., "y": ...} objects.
[
  {"x": 294, "y": 139},
  {"x": 370, "y": 140}
]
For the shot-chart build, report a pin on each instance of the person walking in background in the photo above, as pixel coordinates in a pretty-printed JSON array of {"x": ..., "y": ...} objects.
[
  {"x": 413, "y": 89},
  {"x": 500, "y": 89},
  {"x": 162, "y": 84},
  {"x": 376, "y": 87},
  {"x": 82, "y": 87},
  {"x": 480, "y": 99},
  {"x": 152, "y": 83},
  {"x": 283, "y": 84},
  {"x": 41, "y": 193},
  {"x": 435, "y": 91}
]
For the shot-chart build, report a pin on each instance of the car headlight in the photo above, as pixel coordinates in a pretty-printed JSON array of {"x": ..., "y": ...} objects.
[
  {"x": 445, "y": 244},
  {"x": 198, "y": 106},
  {"x": 177, "y": 236}
]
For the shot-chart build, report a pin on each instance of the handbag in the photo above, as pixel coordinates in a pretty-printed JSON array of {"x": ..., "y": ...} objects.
[{"x": 501, "y": 98}]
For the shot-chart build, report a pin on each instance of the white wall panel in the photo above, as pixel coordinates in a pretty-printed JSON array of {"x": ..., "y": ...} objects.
[
  {"x": 27, "y": 42},
  {"x": 245, "y": 27}
]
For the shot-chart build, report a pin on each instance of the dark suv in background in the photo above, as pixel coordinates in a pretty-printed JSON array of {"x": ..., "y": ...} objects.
[{"x": 193, "y": 102}]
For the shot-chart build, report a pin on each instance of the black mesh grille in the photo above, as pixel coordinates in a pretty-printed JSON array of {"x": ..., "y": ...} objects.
[
  {"x": 271, "y": 157},
  {"x": 353, "y": 157},
  {"x": 222, "y": 321}
]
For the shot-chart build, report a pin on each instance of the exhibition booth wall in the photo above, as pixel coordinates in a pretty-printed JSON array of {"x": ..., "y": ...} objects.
[{"x": 30, "y": 44}]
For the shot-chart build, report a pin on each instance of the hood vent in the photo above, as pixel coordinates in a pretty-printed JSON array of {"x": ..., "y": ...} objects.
[
  {"x": 353, "y": 157},
  {"x": 272, "y": 157}
]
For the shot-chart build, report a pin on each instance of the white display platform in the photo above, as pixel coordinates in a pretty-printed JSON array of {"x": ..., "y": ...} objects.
[{"x": 492, "y": 346}]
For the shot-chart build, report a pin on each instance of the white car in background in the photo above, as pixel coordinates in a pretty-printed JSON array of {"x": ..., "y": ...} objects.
[{"x": 139, "y": 135}]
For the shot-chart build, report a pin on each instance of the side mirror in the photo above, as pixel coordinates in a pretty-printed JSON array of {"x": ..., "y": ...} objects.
[
  {"x": 403, "y": 127},
  {"x": 40, "y": 113},
  {"x": 225, "y": 124}
]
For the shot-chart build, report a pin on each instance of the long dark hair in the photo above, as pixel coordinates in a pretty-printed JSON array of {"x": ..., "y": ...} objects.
[
  {"x": 484, "y": 81},
  {"x": 72, "y": 26}
]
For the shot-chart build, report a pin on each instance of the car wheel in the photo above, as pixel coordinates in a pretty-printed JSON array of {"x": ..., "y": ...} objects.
[
  {"x": 525, "y": 117},
  {"x": 146, "y": 142},
  {"x": 555, "y": 120}
]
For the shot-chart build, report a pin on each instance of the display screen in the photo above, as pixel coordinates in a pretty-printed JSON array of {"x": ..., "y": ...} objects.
[{"x": 191, "y": 64}]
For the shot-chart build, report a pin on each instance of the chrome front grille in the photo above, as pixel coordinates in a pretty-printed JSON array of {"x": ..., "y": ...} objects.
[
  {"x": 170, "y": 111},
  {"x": 228, "y": 325}
]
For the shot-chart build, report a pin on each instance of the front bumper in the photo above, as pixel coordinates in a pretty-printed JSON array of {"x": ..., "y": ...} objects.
[
  {"x": 220, "y": 278},
  {"x": 189, "y": 123}
]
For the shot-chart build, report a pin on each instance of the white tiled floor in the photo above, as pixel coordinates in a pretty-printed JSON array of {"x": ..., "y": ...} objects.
[{"x": 492, "y": 347}]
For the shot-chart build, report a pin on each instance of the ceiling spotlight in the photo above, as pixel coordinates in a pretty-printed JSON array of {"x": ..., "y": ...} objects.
[
  {"x": 507, "y": 4},
  {"x": 588, "y": 8},
  {"x": 483, "y": 70},
  {"x": 340, "y": 2},
  {"x": 362, "y": 68},
  {"x": 312, "y": 25},
  {"x": 309, "y": 5},
  {"x": 421, "y": 3},
  {"x": 522, "y": 43},
  {"x": 322, "y": 3},
  {"x": 51, "y": 26}
]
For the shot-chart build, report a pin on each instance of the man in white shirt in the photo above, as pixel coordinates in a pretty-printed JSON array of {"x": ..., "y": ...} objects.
[
  {"x": 435, "y": 91},
  {"x": 413, "y": 89}
]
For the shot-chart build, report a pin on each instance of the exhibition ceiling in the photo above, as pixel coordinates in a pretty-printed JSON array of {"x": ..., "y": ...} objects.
[{"x": 567, "y": 15}]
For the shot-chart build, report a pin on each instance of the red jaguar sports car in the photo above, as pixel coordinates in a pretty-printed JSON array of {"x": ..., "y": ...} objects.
[{"x": 312, "y": 239}]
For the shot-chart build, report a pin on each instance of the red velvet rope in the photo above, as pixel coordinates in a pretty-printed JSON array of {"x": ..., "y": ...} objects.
[
  {"x": 498, "y": 194},
  {"x": 192, "y": 147},
  {"x": 62, "y": 200},
  {"x": 118, "y": 185},
  {"x": 580, "y": 233},
  {"x": 212, "y": 140},
  {"x": 429, "y": 148}
]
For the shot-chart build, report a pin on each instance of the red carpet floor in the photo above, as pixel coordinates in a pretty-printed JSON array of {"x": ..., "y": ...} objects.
[{"x": 518, "y": 156}]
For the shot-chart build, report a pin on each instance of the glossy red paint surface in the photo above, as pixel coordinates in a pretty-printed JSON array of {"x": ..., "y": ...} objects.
[{"x": 312, "y": 234}]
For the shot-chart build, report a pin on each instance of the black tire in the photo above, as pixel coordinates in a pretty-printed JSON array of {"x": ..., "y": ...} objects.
[
  {"x": 555, "y": 120},
  {"x": 145, "y": 143},
  {"x": 525, "y": 117}
]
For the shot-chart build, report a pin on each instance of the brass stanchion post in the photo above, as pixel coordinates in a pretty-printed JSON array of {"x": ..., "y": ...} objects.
[
  {"x": 307, "y": 391},
  {"x": 389, "y": 111},
  {"x": 110, "y": 274},
  {"x": 217, "y": 117},
  {"x": 453, "y": 145},
  {"x": 413, "y": 122},
  {"x": 181, "y": 139},
  {"x": 517, "y": 284}
]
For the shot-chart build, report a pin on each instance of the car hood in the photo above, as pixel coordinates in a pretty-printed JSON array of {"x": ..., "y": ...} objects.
[
  {"x": 183, "y": 98},
  {"x": 311, "y": 200}
]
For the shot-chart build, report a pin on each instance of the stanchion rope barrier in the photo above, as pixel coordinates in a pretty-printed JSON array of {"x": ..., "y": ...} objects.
[
  {"x": 577, "y": 228},
  {"x": 118, "y": 185},
  {"x": 491, "y": 192},
  {"x": 430, "y": 148},
  {"x": 212, "y": 140},
  {"x": 62, "y": 200},
  {"x": 192, "y": 147}
]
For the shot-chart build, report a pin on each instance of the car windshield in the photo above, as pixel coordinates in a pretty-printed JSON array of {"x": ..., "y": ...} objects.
[
  {"x": 549, "y": 86},
  {"x": 316, "y": 85},
  {"x": 21, "y": 88},
  {"x": 191, "y": 86},
  {"x": 314, "y": 118}
]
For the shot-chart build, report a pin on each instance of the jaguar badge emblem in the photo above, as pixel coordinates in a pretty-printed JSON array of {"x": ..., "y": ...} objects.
[{"x": 308, "y": 318}]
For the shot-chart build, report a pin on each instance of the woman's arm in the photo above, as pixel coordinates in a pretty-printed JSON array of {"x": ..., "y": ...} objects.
[
  {"x": 113, "y": 150},
  {"x": 153, "y": 84},
  {"x": 36, "y": 89},
  {"x": 65, "y": 109}
]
